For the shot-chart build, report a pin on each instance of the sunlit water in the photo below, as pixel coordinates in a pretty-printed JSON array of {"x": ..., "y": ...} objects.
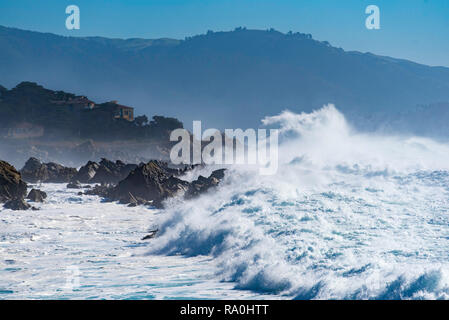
[{"x": 347, "y": 216}]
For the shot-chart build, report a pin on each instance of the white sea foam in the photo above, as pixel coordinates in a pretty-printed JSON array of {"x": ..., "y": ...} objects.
[
  {"x": 348, "y": 215},
  {"x": 38, "y": 250}
]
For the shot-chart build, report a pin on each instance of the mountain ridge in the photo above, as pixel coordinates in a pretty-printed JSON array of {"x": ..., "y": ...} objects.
[{"x": 213, "y": 76}]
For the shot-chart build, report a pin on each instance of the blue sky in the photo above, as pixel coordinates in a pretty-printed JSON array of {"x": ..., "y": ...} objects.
[{"x": 412, "y": 29}]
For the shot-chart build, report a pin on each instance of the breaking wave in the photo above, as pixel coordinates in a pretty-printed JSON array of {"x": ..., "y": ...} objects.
[{"x": 347, "y": 216}]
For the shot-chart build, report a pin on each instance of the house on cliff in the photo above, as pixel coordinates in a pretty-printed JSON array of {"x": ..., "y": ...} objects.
[{"x": 122, "y": 112}]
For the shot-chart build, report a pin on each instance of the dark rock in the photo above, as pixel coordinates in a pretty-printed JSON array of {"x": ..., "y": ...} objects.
[
  {"x": 59, "y": 173},
  {"x": 87, "y": 172},
  {"x": 218, "y": 174},
  {"x": 100, "y": 190},
  {"x": 36, "y": 171},
  {"x": 103, "y": 175},
  {"x": 74, "y": 185},
  {"x": 80, "y": 193},
  {"x": 112, "y": 172},
  {"x": 152, "y": 183},
  {"x": 11, "y": 184},
  {"x": 149, "y": 182},
  {"x": 151, "y": 234},
  {"x": 105, "y": 172},
  {"x": 129, "y": 198},
  {"x": 36, "y": 195},
  {"x": 203, "y": 184},
  {"x": 17, "y": 204}
]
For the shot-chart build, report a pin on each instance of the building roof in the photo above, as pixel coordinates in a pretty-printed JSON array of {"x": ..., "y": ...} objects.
[
  {"x": 120, "y": 105},
  {"x": 124, "y": 107}
]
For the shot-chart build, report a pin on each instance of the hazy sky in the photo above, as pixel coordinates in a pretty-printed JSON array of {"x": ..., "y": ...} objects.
[{"x": 412, "y": 29}]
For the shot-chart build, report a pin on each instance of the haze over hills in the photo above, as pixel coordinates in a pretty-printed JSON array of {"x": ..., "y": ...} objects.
[{"x": 229, "y": 79}]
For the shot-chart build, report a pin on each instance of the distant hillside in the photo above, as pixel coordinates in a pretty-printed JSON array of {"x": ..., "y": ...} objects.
[{"x": 227, "y": 79}]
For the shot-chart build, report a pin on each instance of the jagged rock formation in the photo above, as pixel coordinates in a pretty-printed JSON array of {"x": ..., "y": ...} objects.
[
  {"x": 105, "y": 172},
  {"x": 152, "y": 183},
  {"x": 36, "y": 171},
  {"x": 203, "y": 184},
  {"x": 100, "y": 190},
  {"x": 11, "y": 184},
  {"x": 149, "y": 182},
  {"x": 150, "y": 235},
  {"x": 74, "y": 185},
  {"x": 17, "y": 204},
  {"x": 36, "y": 195},
  {"x": 87, "y": 172},
  {"x": 112, "y": 172}
]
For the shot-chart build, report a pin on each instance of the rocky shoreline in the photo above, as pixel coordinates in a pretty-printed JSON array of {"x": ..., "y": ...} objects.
[
  {"x": 12, "y": 188},
  {"x": 130, "y": 184}
]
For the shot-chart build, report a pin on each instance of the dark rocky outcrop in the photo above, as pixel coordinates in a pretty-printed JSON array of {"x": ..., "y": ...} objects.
[
  {"x": 177, "y": 170},
  {"x": 87, "y": 172},
  {"x": 149, "y": 182},
  {"x": 74, "y": 185},
  {"x": 100, "y": 190},
  {"x": 59, "y": 173},
  {"x": 36, "y": 171},
  {"x": 112, "y": 172},
  {"x": 129, "y": 199},
  {"x": 17, "y": 204},
  {"x": 150, "y": 235},
  {"x": 105, "y": 172},
  {"x": 152, "y": 183},
  {"x": 36, "y": 195},
  {"x": 203, "y": 184},
  {"x": 11, "y": 184}
]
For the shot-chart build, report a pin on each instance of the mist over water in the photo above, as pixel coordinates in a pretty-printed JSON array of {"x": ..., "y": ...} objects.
[{"x": 347, "y": 216}]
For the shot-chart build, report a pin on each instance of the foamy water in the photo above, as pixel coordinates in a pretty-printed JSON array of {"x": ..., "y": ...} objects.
[
  {"x": 347, "y": 216},
  {"x": 41, "y": 251}
]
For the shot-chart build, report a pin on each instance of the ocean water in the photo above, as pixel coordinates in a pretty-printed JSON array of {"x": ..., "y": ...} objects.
[
  {"x": 347, "y": 216},
  {"x": 76, "y": 247}
]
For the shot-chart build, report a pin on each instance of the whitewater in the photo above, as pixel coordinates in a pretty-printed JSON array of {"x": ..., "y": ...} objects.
[{"x": 348, "y": 215}]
